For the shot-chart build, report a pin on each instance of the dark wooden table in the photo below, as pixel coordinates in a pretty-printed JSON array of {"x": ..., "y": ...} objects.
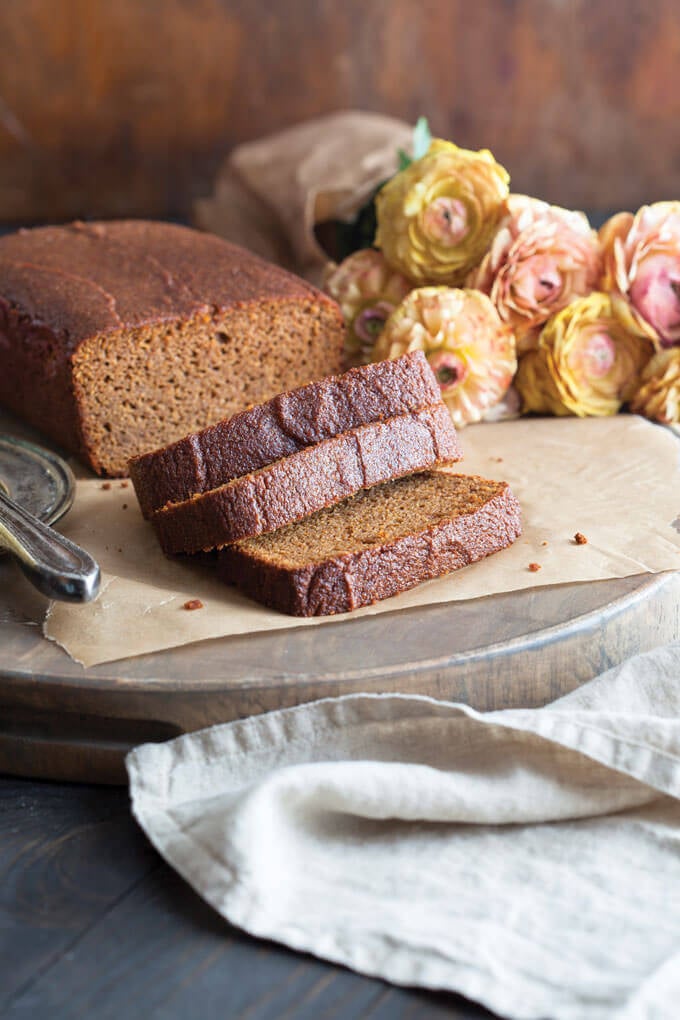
[{"x": 94, "y": 924}]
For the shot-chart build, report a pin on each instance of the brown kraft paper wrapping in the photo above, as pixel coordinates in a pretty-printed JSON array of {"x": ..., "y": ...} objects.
[{"x": 270, "y": 193}]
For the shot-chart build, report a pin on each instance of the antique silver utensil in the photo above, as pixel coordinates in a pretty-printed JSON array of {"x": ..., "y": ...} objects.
[{"x": 36, "y": 489}]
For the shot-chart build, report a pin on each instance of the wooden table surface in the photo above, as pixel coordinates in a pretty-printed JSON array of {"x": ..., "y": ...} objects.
[{"x": 94, "y": 924}]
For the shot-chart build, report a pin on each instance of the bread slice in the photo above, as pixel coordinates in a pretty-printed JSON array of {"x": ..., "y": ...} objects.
[
  {"x": 314, "y": 477},
  {"x": 121, "y": 337},
  {"x": 280, "y": 427},
  {"x": 375, "y": 545}
]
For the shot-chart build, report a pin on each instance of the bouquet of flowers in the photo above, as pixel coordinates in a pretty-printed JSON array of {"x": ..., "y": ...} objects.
[{"x": 518, "y": 305}]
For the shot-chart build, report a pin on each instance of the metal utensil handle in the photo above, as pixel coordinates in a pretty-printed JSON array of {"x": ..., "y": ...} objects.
[{"x": 55, "y": 565}]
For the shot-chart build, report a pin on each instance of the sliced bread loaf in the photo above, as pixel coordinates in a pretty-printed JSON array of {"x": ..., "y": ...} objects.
[
  {"x": 121, "y": 337},
  {"x": 316, "y": 476},
  {"x": 374, "y": 545},
  {"x": 280, "y": 427}
]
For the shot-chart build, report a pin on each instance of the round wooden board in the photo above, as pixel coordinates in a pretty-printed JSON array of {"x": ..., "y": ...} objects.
[{"x": 61, "y": 721}]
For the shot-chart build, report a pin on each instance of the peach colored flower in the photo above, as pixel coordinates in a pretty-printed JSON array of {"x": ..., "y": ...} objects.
[
  {"x": 541, "y": 258},
  {"x": 586, "y": 362},
  {"x": 471, "y": 352},
  {"x": 659, "y": 395},
  {"x": 367, "y": 291},
  {"x": 642, "y": 270},
  {"x": 436, "y": 218}
]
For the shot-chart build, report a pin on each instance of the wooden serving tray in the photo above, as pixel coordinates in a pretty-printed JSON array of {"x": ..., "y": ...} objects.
[{"x": 526, "y": 648}]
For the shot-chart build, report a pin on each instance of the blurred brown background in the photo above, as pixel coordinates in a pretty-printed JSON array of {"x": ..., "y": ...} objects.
[{"x": 117, "y": 107}]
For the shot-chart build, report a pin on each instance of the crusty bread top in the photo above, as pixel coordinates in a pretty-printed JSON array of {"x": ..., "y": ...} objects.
[
  {"x": 280, "y": 427},
  {"x": 84, "y": 279}
]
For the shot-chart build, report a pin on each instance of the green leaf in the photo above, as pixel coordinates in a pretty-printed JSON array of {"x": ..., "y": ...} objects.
[
  {"x": 421, "y": 138},
  {"x": 404, "y": 159}
]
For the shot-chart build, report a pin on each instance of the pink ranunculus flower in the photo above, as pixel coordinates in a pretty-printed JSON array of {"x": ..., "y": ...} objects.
[
  {"x": 367, "y": 290},
  {"x": 541, "y": 258},
  {"x": 642, "y": 270}
]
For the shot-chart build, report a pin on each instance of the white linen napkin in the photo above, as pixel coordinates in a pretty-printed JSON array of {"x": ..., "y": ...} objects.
[{"x": 528, "y": 859}]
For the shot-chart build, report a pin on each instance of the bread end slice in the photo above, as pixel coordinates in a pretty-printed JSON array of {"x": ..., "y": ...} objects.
[{"x": 379, "y": 543}]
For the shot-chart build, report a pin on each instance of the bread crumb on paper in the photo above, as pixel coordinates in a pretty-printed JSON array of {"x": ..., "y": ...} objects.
[
  {"x": 193, "y": 604},
  {"x": 580, "y": 539},
  {"x": 534, "y": 567}
]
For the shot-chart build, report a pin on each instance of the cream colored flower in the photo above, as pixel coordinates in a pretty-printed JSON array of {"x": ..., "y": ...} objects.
[
  {"x": 436, "y": 218},
  {"x": 367, "y": 291},
  {"x": 586, "y": 362},
  {"x": 659, "y": 395},
  {"x": 541, "y": 258},
  {"x": 642, "y": 270},
  {"x": 507, "y": 408},
  {"x": 471, "y": 352}
]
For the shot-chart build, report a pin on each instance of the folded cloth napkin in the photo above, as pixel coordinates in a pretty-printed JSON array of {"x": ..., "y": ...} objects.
[{"x": 529, "y": 859}]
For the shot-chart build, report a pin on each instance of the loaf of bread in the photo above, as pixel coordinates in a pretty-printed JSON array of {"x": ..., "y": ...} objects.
[
  {"x": 121, "y": 337},
  {"x": 316, "y": 476},
  {"x": 280, "y": 427},
  {"x": 380, "y": 542}
]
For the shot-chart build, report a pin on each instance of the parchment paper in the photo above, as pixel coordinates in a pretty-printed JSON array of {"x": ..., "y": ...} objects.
[{"x": 615, "y": 480}]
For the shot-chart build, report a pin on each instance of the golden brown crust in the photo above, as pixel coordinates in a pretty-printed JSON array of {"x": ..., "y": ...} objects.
[{"x": 84, "y": 279}]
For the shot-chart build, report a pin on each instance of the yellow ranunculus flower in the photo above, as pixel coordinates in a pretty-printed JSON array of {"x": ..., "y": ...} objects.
[
  {"x": 437, "y": 217},
  {"x": 659, "y": 395},
  {"x": 469, "y": 349},
  {"x": 586, "y": 362}
]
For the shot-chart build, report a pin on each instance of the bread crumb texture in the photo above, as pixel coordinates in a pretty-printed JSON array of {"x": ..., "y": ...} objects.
[
  {"x": 377, "y": 516},
  {"x": 282, "y": 426},
  {"x": 376, "y": 544}
]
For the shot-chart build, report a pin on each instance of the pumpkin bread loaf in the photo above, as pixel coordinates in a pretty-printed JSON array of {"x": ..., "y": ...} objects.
[
  {"x": 282, "y": 426},
  {"x": 316, "y": 476},
  {"x": 121, "y": 337},
  {"x": 378, "y": 543}
]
